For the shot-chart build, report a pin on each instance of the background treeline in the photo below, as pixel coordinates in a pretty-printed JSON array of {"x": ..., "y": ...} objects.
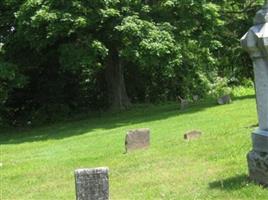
[{"x": 59, "y": 57}]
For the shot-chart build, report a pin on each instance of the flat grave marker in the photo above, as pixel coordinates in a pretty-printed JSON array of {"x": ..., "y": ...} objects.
[{"x": 192, "y": 135}]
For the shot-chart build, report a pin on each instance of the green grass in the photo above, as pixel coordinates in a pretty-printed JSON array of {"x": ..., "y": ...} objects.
[{"x": 40, "y": 163}]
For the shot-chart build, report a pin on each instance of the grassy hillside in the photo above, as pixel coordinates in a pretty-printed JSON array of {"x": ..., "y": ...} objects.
[{"x": 39, "y": 163}]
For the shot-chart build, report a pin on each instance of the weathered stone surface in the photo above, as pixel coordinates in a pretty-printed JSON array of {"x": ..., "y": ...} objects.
[
  {"x": 92, "y": 184},
  {"x": 192, "y": 135},
  {"x": 261, "y": 16},
  {"x": 226, "y": 99},
  {"x": 258, "y": 167},
  {"x": 261, "y": 82},
  {"x": 184, "y": 103},
  {"x": 195, "y": 97},
  {"x": 137, "y": 139},
  {"x": 255, "y": 42},
  {"x": 260, "y": 140}
]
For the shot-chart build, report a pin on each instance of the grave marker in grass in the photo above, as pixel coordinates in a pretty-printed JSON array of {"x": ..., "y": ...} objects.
[
  {"x": 92, "y": 184},
  {"x": 191, "y": 135},
  {"x": 137, "y": 139}
]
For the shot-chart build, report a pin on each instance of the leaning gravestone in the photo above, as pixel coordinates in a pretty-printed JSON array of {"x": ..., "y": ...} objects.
[
  {"x": 191, "y": 135},
  {"x": 92, "y": 184},
  {"x": 255, "y": 41},
  {"x": 137, "y": 139},
  {"x": 184, "y": 103}
]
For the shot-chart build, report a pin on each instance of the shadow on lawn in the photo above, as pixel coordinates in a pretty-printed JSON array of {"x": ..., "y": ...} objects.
[
  {"x": 139, "y": 114},
  {"x": 245, "y": 97},
  {"x": 233, "y": 183}
]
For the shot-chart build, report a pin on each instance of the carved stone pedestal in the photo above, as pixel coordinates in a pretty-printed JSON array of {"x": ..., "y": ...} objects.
[
  {"x": 258, "y": 157},
  {"x": 258, "y": 167}
]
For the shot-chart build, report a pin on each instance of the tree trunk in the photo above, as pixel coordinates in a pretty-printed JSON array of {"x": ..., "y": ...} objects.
[{"x": 114, "y": 75}]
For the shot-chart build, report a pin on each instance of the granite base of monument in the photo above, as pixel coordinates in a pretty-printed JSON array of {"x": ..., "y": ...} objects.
[
  {"x": 258, "y": 157},
  {"x": 258, "y": 167}
]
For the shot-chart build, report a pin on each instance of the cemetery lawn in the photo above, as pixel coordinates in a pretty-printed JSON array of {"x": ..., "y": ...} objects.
[{"x": 39, "y": 163}]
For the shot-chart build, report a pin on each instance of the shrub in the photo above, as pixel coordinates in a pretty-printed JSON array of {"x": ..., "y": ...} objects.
[{"x": 220, "y": 88}]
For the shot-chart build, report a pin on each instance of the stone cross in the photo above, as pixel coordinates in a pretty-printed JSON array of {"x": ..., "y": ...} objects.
[
  {"x": 255, "y": 42},
  {"x": 92, "y": 184}
]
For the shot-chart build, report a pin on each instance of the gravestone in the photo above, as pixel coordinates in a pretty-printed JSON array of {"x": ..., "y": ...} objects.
[
  {"x": 192, "y": 135},
  {"x": 226, "y": 99},
  {"x": 137, "y": 139},
  {"x": 255, "y": 42},
  {"x": 195, "y": 97},
  {"x": 92, "y": 184},
  {"x": 184, "y": 103}
]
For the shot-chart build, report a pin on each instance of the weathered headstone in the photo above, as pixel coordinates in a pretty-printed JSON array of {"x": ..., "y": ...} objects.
[
  {"x": 195, "y": 97},
  {"x": 184, "y": 103},
  {"x": 137, "y": 139},
  {"x": 255, "y": 41},
  {"x": 92, "y": 184},
  {"x": 192, "y": 135},
  {"x": 226, "y": 99}
]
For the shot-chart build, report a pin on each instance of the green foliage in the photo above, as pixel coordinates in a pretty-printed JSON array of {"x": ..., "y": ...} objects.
[
  {"x": 10, "y": 79},
  {"x": 246, "y": 89},
  {"x": 147, "y": 43},
  {"x": 165, "y": 48},
  {"x": 220, "y": 88},
  {"x": 86, "y": 56}
]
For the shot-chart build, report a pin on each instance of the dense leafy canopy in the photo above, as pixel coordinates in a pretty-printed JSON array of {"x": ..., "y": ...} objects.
[{"x": 62, "y": 56}]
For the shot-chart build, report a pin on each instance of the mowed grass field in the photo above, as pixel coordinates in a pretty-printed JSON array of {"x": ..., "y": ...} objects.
[{"x": 39, "y": 163}]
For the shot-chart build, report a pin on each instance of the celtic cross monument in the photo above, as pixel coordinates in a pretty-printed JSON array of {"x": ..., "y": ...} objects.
[{"x": 255, "y": 42}]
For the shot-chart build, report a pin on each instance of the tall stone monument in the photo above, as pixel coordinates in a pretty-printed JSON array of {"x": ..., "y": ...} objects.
[{"x": 255, "y": 42}]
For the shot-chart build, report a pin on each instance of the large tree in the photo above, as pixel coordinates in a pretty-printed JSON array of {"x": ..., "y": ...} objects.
[
  {"x": 72, "y": 55},
  {"x": 96, "y": 34}
]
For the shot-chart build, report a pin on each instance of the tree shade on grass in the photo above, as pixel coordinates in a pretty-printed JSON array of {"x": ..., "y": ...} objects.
[{"x": 39, "y": 163}]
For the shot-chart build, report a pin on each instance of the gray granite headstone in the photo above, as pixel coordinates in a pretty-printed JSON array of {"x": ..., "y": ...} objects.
[
  {"x": 257, "y": 165},
  {"x": 92, "y": 184},
  {"x": 137, "y": 139},
  {"x": 195, "y": 97},
  {"x": 191, "y": 135},
  {"x": 255, "y": 42},
  {"x": 226, "y": 99},
  {"x": 184, "y": 103}
]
